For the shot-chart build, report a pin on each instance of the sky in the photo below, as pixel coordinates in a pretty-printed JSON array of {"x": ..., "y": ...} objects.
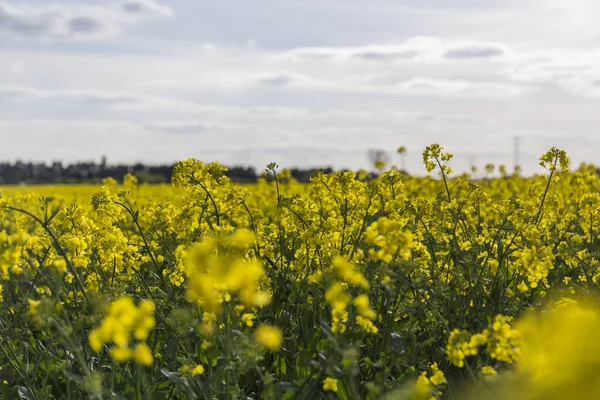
[{"x": 299, "y": 82}]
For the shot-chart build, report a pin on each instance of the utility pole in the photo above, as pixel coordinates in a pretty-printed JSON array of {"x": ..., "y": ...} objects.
[
  {"x": 516, "y": 155},
  {"x": 472, "y": 164}
]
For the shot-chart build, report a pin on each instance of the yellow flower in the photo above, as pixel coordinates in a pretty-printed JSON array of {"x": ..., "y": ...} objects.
[
  {"x": 198, "y": 370},
  {"x": 15, "y": 269},
  {"x": 142, "y": 354},
  {"x": 522, "y": 287},
  {"x": 243, "y": 238},
  {"x": 123, "y": 323},
  {"x": 96, "y": 341},
  {"x": 330, "y": 384},
  {"x": 503, "y": 341},
  {"x": 316, "y": 277},
  {"x": 217, "y": 269},
  {"x": 33, "y": 306},
  {"x": 488, "y": 371},
  {"x": 248, "y": 318},
  {"x": 120, "y": 354},
  {"x": 269, "y": 337},
  {"x": 361, "y": 302},
  {"x": 206, "y": 345},
  {"x": 366, "y": 325},
  {"x": 422, "y": 388},
  {"x": 437, "y": 376}
]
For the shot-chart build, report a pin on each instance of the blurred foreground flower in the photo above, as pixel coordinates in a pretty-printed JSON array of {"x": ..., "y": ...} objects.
[
  {"x": 559, "y": 358},
  {"x": 269, "y": 337},
  {"x": 218, "y": 268},
  {"x": 126, "y": 321}
]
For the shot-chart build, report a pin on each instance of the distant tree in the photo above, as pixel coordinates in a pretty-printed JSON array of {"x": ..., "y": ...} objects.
[
  {"x": 12, "y": 174},
  {"x": 402, "y": 151},
  {"x": 378, "y": 158}
]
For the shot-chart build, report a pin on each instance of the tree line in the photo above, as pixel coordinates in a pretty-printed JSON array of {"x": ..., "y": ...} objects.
[{"x": 91, "y": 172}]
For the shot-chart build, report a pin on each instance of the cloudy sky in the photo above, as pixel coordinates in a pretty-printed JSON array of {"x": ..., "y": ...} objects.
[{"x": 298, "y": 82}]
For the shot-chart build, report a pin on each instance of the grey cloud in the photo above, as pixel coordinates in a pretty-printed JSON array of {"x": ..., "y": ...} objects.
[
  {"x": 181, "y": 127},
  {"x": 20, "y": 23},
  {"x": 108, "y": 98},
  {"x": 16, "y": 91},
  {"x": 282, "y": 79},
  {"x": 84, "y": 25},
  {"x": 466, "y": 121},
  {"x": 362, "y": 53},
  {"x": 54, "y": 21},
  {"x": 474, "y": 50},
  {"x": 425, "y": 117},
  {"x": 422, "y": 47},
  {"x": 133, "y": 7},
  {"x": 68, "y": 21},
  {"x": 317, "y": 53},
  {"x": 373, "y": 55},
  {"x": 91, "y": 97},
  {"x": 145, "y": 7}
]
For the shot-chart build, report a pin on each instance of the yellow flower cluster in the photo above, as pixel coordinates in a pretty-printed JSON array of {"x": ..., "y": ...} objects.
[
  {"x": 533, "y": 264},
  {"x": 339, "y": 300},
  {"x": 269, "y": 337},
  {"x": 218, "y": 267},
  {"x": 338, "y": 297},
  {"x": 501, "y": 340},
  {"x": 330, "y": 384},
  {"x": 389, "y": 239},
  {"x": 461, "y": 345},
  {"x": 126, "y": 324},
  {"x": 429, "y": 387}
]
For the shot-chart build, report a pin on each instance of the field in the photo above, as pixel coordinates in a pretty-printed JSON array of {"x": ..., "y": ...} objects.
[{"x": 397, "y": 287}]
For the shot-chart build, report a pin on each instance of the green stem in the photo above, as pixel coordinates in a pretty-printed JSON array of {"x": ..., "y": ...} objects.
[{"x": 539, "y": 213}]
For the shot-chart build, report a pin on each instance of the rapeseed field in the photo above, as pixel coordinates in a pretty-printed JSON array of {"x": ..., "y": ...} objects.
[{"x": 348, "y": 287}]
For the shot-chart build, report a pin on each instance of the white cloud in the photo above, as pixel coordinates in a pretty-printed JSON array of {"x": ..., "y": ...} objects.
[
  {"x": 249, "y": 83},
  {"x": 576, "y": 72},
  {"x": 457, "y": 87},
  {"x": 93, "y": 101}
]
